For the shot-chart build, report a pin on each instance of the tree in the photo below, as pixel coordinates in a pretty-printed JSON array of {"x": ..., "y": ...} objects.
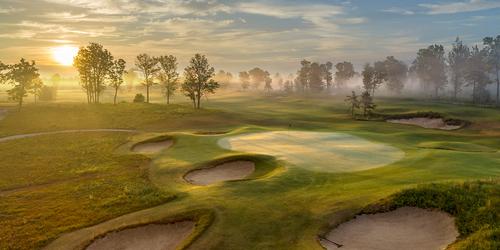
[
  {"x": 396, "y": 73},
  {"x": 369, "y": 78},
  {"x": 457, "y": 61},
  {"x": 116, "y": 76},
  {"x": 36, "y": 89},
  {"x": 354, "y": 103},
  {"x": 223, "y": 78},
  {"x": 476, "y": 72},
  {"x": 22, "y": 76},
  {"x": 149, "y": 68},
  {"x": 315, "y": 75},
  {"x": 257, "y": 76},
  {"x": 367, "y": 103},
  {"x": 93, "y": 64},
  {"x": 328, "y": 66},
  {"x": 244, "y": 79},
  {"x": 168, "y": 75},
  {"x": 303, "y": 77},
  {"x": 268, "y": 80},
  {"x": 430, "y": 67},
  {"x": 493, "y": 49},
  {"x": 198, "y": 79},
  {"x": 345, "y": 71},
  {"x": 279, "y": 80}
]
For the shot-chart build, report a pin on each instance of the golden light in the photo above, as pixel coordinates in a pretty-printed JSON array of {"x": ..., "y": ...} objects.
[{"x": 64, "y": 55}]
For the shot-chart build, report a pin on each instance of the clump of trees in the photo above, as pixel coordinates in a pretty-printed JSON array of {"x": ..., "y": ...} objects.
[
  {"x": 198, "y": 80},
  {"x": 23, "y": 77},
  {"x": 364, "y": 102}
]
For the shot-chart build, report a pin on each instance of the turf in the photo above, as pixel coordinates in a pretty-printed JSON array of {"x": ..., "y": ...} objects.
[{"x": 283, "y": 207}]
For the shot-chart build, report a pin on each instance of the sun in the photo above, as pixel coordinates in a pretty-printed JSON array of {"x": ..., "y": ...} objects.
[{"x": 64, "y": 55}]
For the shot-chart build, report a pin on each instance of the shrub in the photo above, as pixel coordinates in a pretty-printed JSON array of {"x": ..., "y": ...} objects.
[
  {"x": 139, "y": 98},
  {"x": 48, "y": 93}
]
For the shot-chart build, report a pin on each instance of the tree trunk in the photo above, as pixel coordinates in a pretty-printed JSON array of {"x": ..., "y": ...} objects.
[
  {"x": 168, "y": 95},
  {"x": 147, "y": 92},
  {"x": 20, "y": 103},
  {"x": 498, "y": 88},
  {"x": 116, "y": 93},
  {"x": 199, "y": 100}
]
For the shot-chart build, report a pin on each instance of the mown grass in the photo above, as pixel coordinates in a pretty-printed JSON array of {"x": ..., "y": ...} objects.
[
  {"x": 283, "y": 210},
  {"x": 475, "y": 206},
  {"x": 54, "y": 184}
]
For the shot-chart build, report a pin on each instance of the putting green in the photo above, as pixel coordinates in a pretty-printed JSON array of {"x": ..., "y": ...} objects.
[{"x": 316, "y": 151}]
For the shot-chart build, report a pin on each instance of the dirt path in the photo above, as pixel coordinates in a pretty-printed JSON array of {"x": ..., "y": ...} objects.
[
  {"x": 235, "y": 170},
  {"x": 404, "y": 228},
  {"x": 151, "y": 237},
  {"x": 21, "y": 136}
]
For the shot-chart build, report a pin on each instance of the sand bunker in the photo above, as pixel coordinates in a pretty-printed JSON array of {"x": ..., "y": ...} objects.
[
  {"x": 152, "y": 147},
  {"x": 234, "y": 170},
  {"x": 404, "y": 228},
  {"x": 433, "y": 123},
  {"x": 151, "y": 237},
  {"x": 318, "y": 151}
]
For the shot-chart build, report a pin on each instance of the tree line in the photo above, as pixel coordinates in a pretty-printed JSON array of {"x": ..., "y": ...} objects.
[{"x": 97, "y": 69}]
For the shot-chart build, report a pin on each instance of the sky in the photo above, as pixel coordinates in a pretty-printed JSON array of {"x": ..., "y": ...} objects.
[{"x": 238, "y": 35}]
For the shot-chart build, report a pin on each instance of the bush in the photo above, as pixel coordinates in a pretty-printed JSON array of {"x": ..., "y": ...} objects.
[
  {"x": 48, "y": 93},
  {"x": 139, "y": 98}
]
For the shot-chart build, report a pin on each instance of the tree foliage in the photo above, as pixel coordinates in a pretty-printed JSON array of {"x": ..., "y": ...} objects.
[
  {"x": 476, "y": 74},
  {"x": 367, "y": 103},
  {"x": 198, "y": 80},
  {"x": 168, "y": 75},
  {"x": 354, "y": 103},
  {"x": 148, "y": 66},
  {"x": 116, "y": 76},
  {"x": 24, "y": 78},
  {"x": 345, "y": 71},
  {"x": 93, "y": 64},
  {"x": 492, "y": 46},
  {"x": 457, "y": 61},
  {"x": 430, "y": 67},
  {"x": 396, "y": 73}
]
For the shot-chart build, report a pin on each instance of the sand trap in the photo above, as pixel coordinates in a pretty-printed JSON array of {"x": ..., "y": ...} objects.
[
  {"x": 317, "y": 151},
  {"x": 152, "y": 147},
  {"x": 235, "y": 170},
  {"x": 404, "y": 228},
  {"x": 433, "y": 123},
  {"x": 151, "y": 237}
]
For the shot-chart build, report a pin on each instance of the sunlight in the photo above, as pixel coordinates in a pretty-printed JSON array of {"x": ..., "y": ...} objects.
[{"x": 64, "y": 55}]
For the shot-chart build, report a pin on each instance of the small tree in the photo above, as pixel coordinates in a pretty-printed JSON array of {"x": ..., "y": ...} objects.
[
  {"x": 268, "y": 80},
  {"x": 116, "y": 76},
  {"x": 397, "y": 72},
  {"x": 353, "y": 101},
  {"x": 149, "y": 67},
  {"x": 168, "y": 75},
  {"x": 367, "y": 103},
  {"x": 198, "y": 79},
  {"x": 244, "y": 79},
  {"x": 37, "y": 88},
  {"x": 22, "y": 76},
  {"x": 139, "y": 98}
]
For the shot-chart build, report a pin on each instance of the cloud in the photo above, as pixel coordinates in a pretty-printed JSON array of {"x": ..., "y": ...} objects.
[
  {"x": 459, "y": 7},
  {"x": 69, "y": 17},
  {"x": 10, "y": 10},
  {"x": 397, "y": 10}
]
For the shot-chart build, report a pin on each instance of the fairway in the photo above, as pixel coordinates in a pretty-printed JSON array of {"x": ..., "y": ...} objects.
[{"x": 309, "y": 150}]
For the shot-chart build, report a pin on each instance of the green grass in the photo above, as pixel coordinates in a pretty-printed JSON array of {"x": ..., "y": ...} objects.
[
  {"x": 279, "y": 208},
  {"x": 475, "y": 206}
]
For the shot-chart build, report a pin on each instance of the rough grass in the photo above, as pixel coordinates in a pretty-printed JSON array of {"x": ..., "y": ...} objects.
[
  {"x": 456, "y": 146},
  {"x": 54, "y": 184},
  {"x": 475, "y": 206}
]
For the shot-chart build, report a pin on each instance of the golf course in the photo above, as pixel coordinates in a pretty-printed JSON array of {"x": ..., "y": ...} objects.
[{"x": 245, "y": 172}]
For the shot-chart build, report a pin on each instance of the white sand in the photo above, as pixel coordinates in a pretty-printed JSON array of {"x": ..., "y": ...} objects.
[
  {"x": 150, "y": 237},
  {"x": 317, "y": 151},
  {"x": 433, "y": 123},
  {"x": 152, "y": 147},
  {"x": 235, "y": 170},
  {"x": 406, "y": 228}
]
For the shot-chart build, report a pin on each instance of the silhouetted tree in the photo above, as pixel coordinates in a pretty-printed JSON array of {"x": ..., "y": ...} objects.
[
  {"x": 476, "y": 72},
  {"x": 303, "y": 76},
  {"x": 369, "y": 78},
  {"x": 93, "y": 64},
  {"x": 258, "y": 76},
  {"x": 198, "y": 79},
  {"x": 367, "y": 103},
  {"x": 430, "y": 68},
  {"x": 36, "y": 89},
  {"x": 116, "y": 76},
  {"x": 149, "y": 68},
  {"x": 168, "y": 75},
  {"x": 457, "y": 61},
  {"x": 268, "y": 80},
  {"x": 223, "y": 78},
  {"x": 396, "y": 73},
  {"x": 315, "y": 75},
  {"x": 345, "y": 71},
  {"x": 22, "y": 76},
  {"x": 244, "y": 79},
  {"x": 354, "y": 103},
  {"x": 327, "y": 74},
  {"x": 493, "y": 49}
]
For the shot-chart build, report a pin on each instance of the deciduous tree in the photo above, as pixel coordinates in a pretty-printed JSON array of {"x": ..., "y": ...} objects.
[
  {"x": 149, "y": 68},
  {"x": 116, "y": 76},
  {"x": 168, "y": 75},
  {"x": 396, "y": 73},
  {"x": 244, "y": 80},
  {"x": 345, "y": 71},
  {"x": 457, "y": 61},
  {"x": 367, "y": 103},
  {"x": 22, "y": 76},
  {"x": 430, "y": 68},
  {"x": 198, "y": 79}
]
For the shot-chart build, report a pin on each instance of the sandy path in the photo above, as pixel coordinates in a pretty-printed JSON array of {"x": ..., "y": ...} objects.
[
  {"x": 152, "y": 147},
  {"x": 407, "y": 228},
  {"x": 433, "y": 123},
  {"x": 235, "y": 170},
  {"x": 150, "y": 237},
  {"x": 21, "y": 136}
]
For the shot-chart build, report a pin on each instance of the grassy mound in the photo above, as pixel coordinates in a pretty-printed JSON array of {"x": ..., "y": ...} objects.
[
  {"x": 456, "y": 146},
  {"x": 475, "y": 206}
]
